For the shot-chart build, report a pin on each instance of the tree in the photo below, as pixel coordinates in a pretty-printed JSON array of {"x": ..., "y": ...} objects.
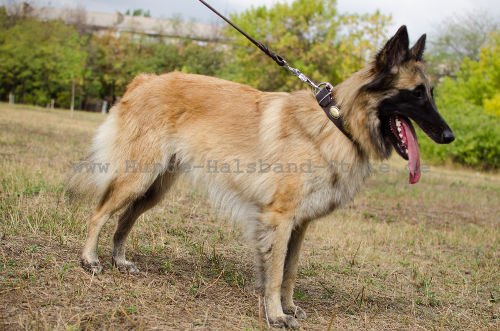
[
  {"x": 477, "y": 81},
  {"x": 17, "y": 10},
  {"x": 310, "y": 34},
  {"x": 138, "y": 12},
  {"x": 460, "y": 37},
  {"x": 107, "y": 73},
  {"x": 360, "y": 36},
  {"x": 39, "y": 61}
]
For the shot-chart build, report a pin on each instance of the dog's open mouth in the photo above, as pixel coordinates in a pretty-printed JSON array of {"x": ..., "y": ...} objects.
[{"x": 405, "y": 143}]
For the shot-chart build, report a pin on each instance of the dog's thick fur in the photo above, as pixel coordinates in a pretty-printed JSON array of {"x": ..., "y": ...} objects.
[{"x": 266, "y": 158}]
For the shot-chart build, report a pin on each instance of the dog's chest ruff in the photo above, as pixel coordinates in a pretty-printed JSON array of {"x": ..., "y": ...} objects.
[{"x": 324, "y": 194}]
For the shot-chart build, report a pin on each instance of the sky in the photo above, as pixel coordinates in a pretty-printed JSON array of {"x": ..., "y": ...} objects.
[{"x": 420, "y": 16}]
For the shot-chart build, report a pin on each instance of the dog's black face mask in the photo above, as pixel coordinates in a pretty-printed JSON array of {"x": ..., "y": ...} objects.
[
  {"x": 418, "y": 105},
  {"x": 415, "y": 103}
]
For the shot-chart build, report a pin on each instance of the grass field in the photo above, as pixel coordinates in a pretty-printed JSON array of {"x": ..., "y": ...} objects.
[{"x": 423, "y": 257}]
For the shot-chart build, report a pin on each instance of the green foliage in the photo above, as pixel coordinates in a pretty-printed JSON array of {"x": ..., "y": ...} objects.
[
  {"x": 310, "y": 34},
  {"x": 206, "y": 59},
  {"x": 480, "y": 80},
  {"x": 138, "y": 12},
  {"x": 4, "y": 18},
  {"x": 492, "y": 106},
  {"x": 39, "y": 61},
  {"x": 114, "y": 61},
  {"x": 470, "y": 104},
  {"x": 477, "y": 135}
]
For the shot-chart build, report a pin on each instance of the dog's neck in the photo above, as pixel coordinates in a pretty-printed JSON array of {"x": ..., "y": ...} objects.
[
  {"x": 333, "y": 143},
  {"x": 359, "y": 111}
]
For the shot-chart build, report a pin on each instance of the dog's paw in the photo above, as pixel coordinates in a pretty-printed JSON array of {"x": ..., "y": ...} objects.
[
  {"x": 285, "y": 321},
  {"x": 125, "y": 266},
  {"x": 295, "y": 311},
  {"x": 93, "y": 267}
]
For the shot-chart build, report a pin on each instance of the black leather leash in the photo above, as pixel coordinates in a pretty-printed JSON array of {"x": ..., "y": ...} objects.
[{"x": 322, "y": 91}]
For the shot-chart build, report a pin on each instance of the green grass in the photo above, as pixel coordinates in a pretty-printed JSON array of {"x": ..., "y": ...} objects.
[{"x": 399, "y": 257}]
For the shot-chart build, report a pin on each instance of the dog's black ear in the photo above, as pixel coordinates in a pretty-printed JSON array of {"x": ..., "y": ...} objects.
[
  {"x": 395, "y": 51},
  {"x": 417, "y": 51}
]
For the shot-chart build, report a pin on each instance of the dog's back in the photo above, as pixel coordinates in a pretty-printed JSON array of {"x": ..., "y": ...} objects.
[{"x": 179, "y": 115}]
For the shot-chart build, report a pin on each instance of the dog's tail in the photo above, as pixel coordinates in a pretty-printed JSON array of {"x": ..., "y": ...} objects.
[{"x": 91, "y": 176}]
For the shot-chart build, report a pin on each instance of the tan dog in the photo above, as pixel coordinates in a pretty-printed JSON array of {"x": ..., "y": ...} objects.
[{"x": 272, "y": 160}]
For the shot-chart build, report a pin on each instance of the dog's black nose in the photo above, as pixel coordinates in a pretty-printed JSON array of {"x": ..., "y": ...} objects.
[{"x": 447, "y": 136}]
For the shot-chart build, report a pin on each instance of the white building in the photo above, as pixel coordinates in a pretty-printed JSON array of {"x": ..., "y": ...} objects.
[{"x": 135, "y": 25}]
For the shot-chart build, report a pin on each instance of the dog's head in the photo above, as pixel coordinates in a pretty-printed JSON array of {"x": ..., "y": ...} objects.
[{"x": 398, "y": 92}]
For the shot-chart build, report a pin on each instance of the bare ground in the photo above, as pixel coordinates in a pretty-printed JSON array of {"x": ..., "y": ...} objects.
[{"x": 400, "y": 257}]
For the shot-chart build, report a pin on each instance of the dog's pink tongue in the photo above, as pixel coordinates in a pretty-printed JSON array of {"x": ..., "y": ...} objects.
[{"x": 413, "y": 153}]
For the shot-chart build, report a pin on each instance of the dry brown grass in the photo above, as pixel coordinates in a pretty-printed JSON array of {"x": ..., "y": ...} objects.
[{"x": 399, "y": 257}]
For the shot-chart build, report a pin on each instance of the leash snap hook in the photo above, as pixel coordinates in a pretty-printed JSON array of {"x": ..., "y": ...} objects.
[
  {"x": 324, "y": 94},
  {"x": 325, "y": 99}
]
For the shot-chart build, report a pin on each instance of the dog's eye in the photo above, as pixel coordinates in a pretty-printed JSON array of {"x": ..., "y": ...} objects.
[{"x": 418, "y": 92}]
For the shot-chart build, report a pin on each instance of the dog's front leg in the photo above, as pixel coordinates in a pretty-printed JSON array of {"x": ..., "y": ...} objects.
[
  {"x": 272, "y": 244},
  {"x": 290, "y": 272}
]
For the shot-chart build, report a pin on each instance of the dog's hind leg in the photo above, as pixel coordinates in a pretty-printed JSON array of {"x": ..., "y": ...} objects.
[
  {"x": 290, "y": 272},
  {"x": 120, "y": 193},
  {"x": 126, "y": 221}
]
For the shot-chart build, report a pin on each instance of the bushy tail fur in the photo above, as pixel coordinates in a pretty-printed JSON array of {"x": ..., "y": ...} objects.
[{"x": 91, "y": 176}]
